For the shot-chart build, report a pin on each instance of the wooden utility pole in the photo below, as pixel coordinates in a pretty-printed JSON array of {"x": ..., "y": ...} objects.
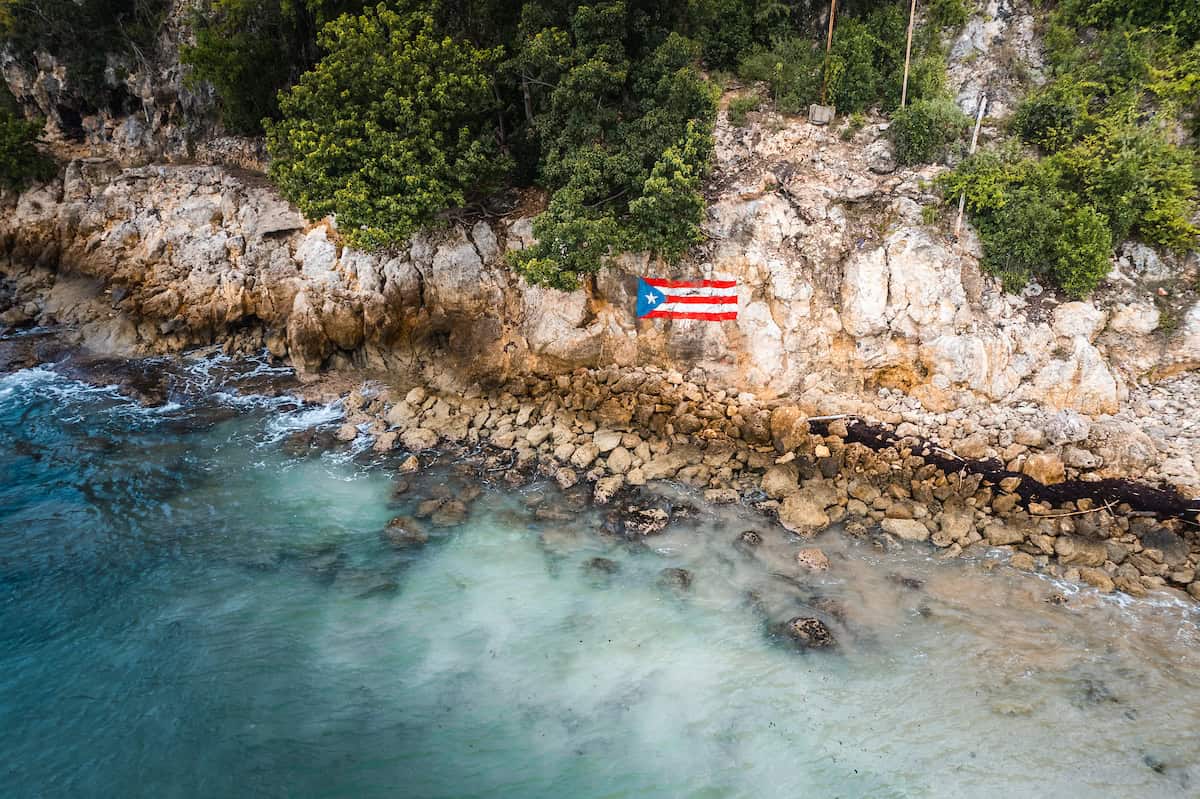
[
  {"x": 962, "y": 200},
  {"x": 828, "y": 45},
  {"x": 912, "y": 13}
]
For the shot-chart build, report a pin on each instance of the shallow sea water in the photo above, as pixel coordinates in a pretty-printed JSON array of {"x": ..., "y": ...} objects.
[{"x": 189, "y": 607}]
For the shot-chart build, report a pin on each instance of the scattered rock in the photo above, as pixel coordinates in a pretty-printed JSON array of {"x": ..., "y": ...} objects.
[
  {"x": 807, "y": 632},
  {"x": 1045, "y": 467},
  {"x": 1096, "y": 577},
  {"x": 907, "y": 529},
  {"x": 802, "y": 516},
  {"x": 812, "y": 559},
  {"x": 675, "y": 579}
]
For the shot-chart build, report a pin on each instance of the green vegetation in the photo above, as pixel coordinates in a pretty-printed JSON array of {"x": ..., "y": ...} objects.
[
  {"x": 20, "y": 160},
  {"x": 249, "y": 50},
  {"x": 740, "y": 106},
  {"x": 389, "y": 129},
  {"x": 924, "y": 131},
  {"x": 865, "y": 66},
  {"x": 390, "y": 117},
  {"x": 947, "y": 13},
  {"x": 1106, "y": 161},
  {"x": 853, "y": 125}
]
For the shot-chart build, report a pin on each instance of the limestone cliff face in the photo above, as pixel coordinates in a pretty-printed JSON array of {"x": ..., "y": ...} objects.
[{"x": 843, "y": 289}]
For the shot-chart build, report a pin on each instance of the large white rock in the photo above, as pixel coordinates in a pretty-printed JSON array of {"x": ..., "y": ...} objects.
[
  {"x": 1140, "y": 318},
  {"x": 1079, "y": 319},
  {"x": 865, "y": 293}
]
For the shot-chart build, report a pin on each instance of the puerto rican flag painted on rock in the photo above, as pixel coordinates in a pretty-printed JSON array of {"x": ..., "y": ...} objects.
[{"x": 706, "y": 300}]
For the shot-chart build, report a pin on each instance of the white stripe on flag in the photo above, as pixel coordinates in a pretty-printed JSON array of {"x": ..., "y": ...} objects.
[
  {"x": 695, "y": 307},
  {"x": 701, "y": 292}
]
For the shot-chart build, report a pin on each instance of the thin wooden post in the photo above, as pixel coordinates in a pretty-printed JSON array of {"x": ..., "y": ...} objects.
[
  {"x": 828, "y": 46},
  {"x": 912, "y": 13},
  {"x": 962, "y": 200}
]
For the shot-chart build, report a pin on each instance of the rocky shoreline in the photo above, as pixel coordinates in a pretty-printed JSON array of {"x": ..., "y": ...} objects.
[{"x": 615, "y": 431}]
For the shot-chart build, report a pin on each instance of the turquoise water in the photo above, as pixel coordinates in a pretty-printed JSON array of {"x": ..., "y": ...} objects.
[{"x": 194, "y": 604}]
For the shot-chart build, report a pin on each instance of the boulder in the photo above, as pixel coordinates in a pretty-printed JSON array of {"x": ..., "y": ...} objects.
[
  {"x": 606, "y": 489},
  {"x": 619, "y": 460},
  {"x": 1073, "y": 550},
  {"x": 1174, "y": 549},
  {"x": 1067, "y": 427},
  {"x": 801, "y": 515},
  {"x": 606, "y": 440},
  {"x": 1000, "y": 535},
  {"x": 807, "y": 633},
  {"x": 781, "y": 480},
  {"x": 1075, "y": 319},
  {"x": 789, "y": 428},
  {"x": 1045, "y": 467},
  {"x": 1097, "y": 577},
  {"x": 907, "y": 529},
  {"x": 880, "y": 157},
  {"x": 418, "y": 438},
  {"x": 812, "y": 559}
]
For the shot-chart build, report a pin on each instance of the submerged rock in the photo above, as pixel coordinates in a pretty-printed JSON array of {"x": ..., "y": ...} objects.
[
  {"x": 812, "y": 559},
  {"x": 383, "y": 589},
  {"x": 601, "y": 566},
  {"x": 807, "y": 632},
  {"x": 451, "y": 513},
  {"x": 675, "y": 578},
  {"x": 748, "y": 540},
  {"x": 403, "y": 532}
]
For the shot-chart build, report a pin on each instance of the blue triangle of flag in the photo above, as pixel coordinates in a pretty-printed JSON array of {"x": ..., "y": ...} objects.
[{"x": 649, "y": 298}]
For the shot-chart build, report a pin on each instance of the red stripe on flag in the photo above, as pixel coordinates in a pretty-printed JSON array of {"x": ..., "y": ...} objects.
[
  {"x": 712, "y": 299},
  {"x": 659, "y": 283},
  {"x": 704, "y": 317}
]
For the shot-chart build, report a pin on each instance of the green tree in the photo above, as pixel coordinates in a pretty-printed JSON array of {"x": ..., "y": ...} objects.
[
  {"x": 250, "y": 50},
  {"x": 623, "y": 130},
  {"x": 392, "y": 127},
  {"x": 668, "y": 215},
  {"x": 20, "y": 160},
  {"x": 924, "y": 131}
]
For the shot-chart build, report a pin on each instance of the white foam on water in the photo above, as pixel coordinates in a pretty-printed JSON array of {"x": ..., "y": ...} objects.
[{"x": 282, "y": 425}]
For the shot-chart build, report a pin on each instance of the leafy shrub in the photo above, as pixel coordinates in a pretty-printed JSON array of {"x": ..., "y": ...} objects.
[
  {"x": 390, "y": 128},
  {"x": 20, "y": 160},
  {"x": 1059, "y": 217},
  {"x": 922, "y": 132},
  {"x": 1032, "y": 227},
  {"x": 626, "y": 142},
  {"x": 792, "y": 70},
  {"x": 1054, "y": 117},
  {"x": 740, "y": 106},
  {"x": 1145, "y": 184},
  {"x": 947, "y": 13},
  {"x": 250, "y": 50}
]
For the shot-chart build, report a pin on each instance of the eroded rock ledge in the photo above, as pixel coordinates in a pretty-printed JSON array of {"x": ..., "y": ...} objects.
[{"x": 618, "y": 429}]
